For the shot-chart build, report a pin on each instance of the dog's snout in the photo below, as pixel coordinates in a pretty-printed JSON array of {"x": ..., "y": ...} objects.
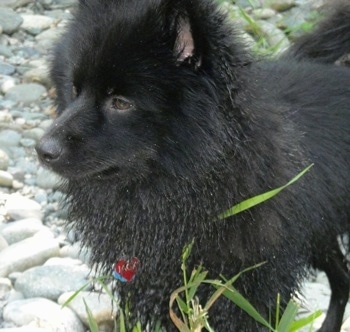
[{"x": 48, "y": 150}]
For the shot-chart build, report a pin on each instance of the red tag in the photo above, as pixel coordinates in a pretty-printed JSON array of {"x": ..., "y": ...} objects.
[{"x": 125, "y": 270}]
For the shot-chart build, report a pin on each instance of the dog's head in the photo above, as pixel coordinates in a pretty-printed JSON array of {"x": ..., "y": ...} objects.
[{"x": 137, "y": 89}]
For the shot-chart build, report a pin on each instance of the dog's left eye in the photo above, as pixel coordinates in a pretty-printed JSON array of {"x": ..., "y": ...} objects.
[{"x": 122, "y": 104}]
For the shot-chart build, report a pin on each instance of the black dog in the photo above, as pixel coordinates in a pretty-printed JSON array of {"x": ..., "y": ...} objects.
[{"x": 165, "y": 121}]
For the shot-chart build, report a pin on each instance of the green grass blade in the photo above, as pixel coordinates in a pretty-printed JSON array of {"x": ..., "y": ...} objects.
[
  {"x": 297, "y": 325},
  {"x": 122, "y": 327},
  {"x": 288, "y": 316},
  {"x": 249, "y": 203},
  {"x": 92, "y": 322},
  {"x": 74, "y": 295},
  {"x": 233, "y": 295}
]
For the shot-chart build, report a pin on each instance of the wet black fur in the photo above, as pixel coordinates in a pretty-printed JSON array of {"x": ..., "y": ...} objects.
[{"x": 204, "y": 133}]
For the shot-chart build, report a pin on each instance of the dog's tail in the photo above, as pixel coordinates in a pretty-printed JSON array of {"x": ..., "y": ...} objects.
[{"x": 329, "y": 41}]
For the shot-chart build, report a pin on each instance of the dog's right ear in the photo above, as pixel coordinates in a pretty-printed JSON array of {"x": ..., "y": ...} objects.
[{"x": 185, "y": 48}]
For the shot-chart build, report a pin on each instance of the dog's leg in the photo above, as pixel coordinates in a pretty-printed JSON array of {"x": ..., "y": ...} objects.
[{"x": 334, "y": 265}]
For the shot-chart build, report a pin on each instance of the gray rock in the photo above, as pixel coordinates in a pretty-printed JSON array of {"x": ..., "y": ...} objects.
[
  {"x": 273, "y": 35},
  {"x": 263, "y": 13},
  {"x": 34, "y": 133},
  {"x": 46, "y": 39},
  {"x": 100, "y": 305},
  {"x": 9, "y": 138},
  {"x": 27, "y": 142},
  {"x": 14, "y": 3},
  {"x": 7, "y": 82},
  {"x": 35, "y": 24},
  {"x": 5, "y": 51},
  {"x": 281, "y": 5},
  {"x": 38, "y": 75},
  {"x": 22, "y": 229},
  {"x": 28, "y": 253},
  {"x": 25, "y": 93},
  {"x": 5, "y": 287},
  {"x": 3, "y": 243},
  {"x": 47, "y": 179},
  {"x": 9, "y": 20},
  {"x": 42, "y": 313},
  {"x": 62, "y": 4},
  {"x": 51, "y": 281},
  {"x": 20, "y": 207},
  {"x": 4, "y": 160},
  {"x": 6, "y": 179},
  {"x": 76, "y": 251},
  {"x": 6, "y": 69}
]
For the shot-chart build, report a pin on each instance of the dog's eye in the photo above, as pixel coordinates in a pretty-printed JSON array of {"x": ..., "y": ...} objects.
[{"x": 122, "y": 104}]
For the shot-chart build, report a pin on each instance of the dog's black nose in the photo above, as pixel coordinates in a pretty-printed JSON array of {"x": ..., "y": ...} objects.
[{"x": 48, "y": 150}]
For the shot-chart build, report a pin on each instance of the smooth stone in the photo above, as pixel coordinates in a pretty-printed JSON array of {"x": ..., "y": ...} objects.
[
  {"x": 10, "y": 21},
  {"x": 3, "y": 243},
  {"x": 100, "y": 305},
  {"x": 24, "y": 329},
  {"x": 28, "y": 253},
  {"x": 28, "y": 142},
  {"x": 25, "y": 93},
  {"x": 22, "y": 229},
  {"x": 42, "y": 313},
  {"x": 9, "y": 138},
  {"x": 263, "y": 13},
  {"x": 62, "y": 4},
  {"x": 47, "y": 179},
  {"x": 7, "y": 82},
  {"x": 15, "y": 3},
  {"x": 6, "y": 69},
  {"x": 5, "y": 287},
  {"x": 4, "y": 160},
  {"x": 34, "y": 133},
  {"x": 51, "y": 281},
  {"x": 34, "y": 24},
  {"x": 6, "y": 179},
  {"x": 47, "y": 38},
  {"x": 75, "y": 251},
  {"x": 5, "y": 51},
  {"x": 38, "y": 75},
  {"x": 281, "y": 5},
  {"x": 274, "y": 36},
  {"x": 20, "y": 207},
  {"x": 5, "y": 117}
]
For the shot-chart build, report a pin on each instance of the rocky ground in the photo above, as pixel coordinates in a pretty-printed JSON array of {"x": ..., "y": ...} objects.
[{"x": 40, "y": 262}]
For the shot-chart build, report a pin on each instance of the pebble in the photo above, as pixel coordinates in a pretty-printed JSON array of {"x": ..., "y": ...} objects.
[
  {"x": 9, "y": 138},
  {"x": 43, "y": 313},
  {"x": 4, "y": 160},
  {"x": 51, "y": 281},
  {"x": 6, "y": 179},
  {"x": 26, "y": 93},
  {"x": 100, "y": 305},
  {"x": 34, "y": 24},
  {"x": 10, "y": 21},
  {"x": 28, "y": 253},
  {"x": 22, "y": 229},
  {"x": 20, "y": 207}
]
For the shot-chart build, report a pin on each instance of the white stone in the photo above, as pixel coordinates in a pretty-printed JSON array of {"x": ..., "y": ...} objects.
[
  {"x": 42, "y": 313},
  {"x": 100, "y": 306},
  {"x": 34, "y": 24},
  {"x": 25, "y": 254},
  {"x": 20, "y": 207}
]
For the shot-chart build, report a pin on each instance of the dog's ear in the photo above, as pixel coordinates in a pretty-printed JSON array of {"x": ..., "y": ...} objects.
[{"x": 185, "y": 48}]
